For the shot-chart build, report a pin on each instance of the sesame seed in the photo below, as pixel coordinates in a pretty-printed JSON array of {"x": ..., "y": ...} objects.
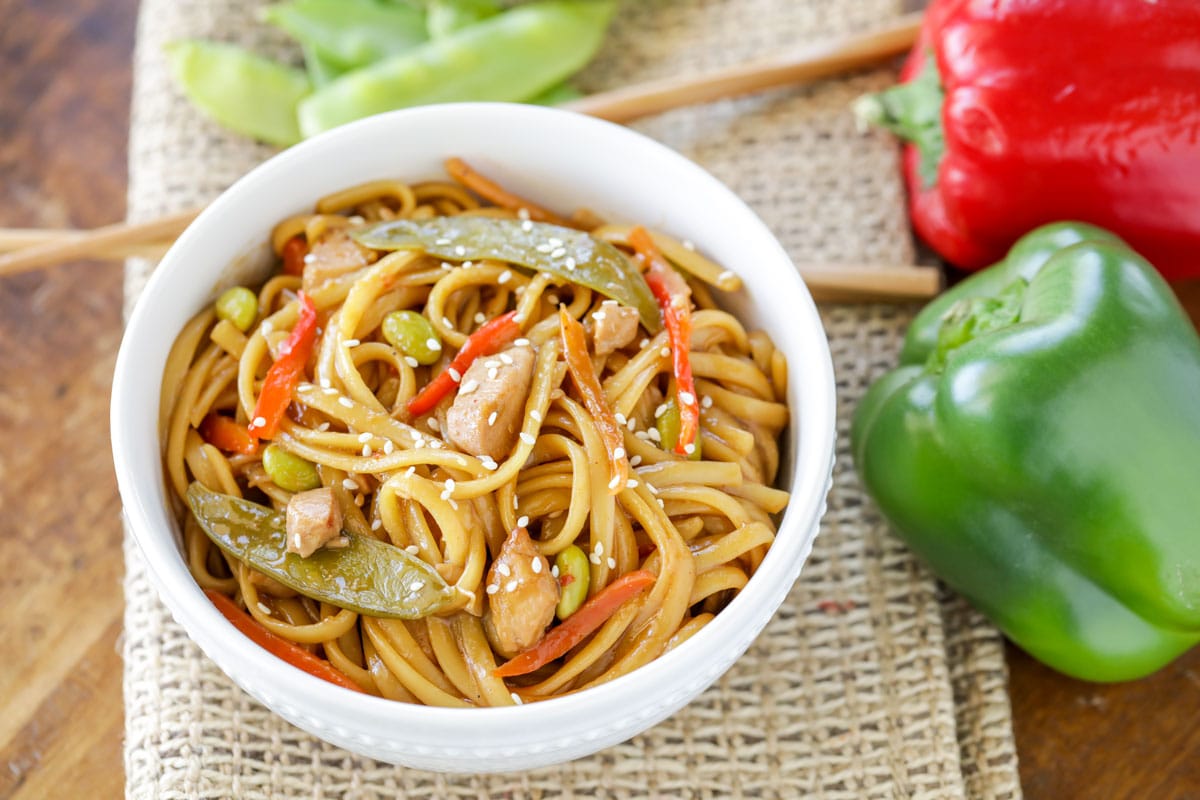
[
  {"x": 654, "y": 434},
  {"x": 412, "y": 550},
  {"x": 612, "y": 563},
  {"x": 447, "y": 266},
  {"x": 687, "y": 398},
  {"x": 642, "y": 344},
  {"x": 516, "y": 698},
  {"x": 523, "y": 522},
  {"x": 619, "y": 452},
  {"x": 544, "y": 248},
  {"x": 505, "y": 277},
  {"x": 689, "y": 449},
  {"x": 558, "y": 253},
  {"x": 535, "y": 564},
  {"x": 441, "y": 241},
  {"x": 503, "y": 569},
  {"x": 615, "y": 482},
  {"x": 554, "y": 570},
  {"x": 554, "y": 241},
  {"x": 490, "y": 464},
  {"x": 449, "y": 484},
  {"x": 434, "y": 444},
  {"x": 447, "y": 323},
  {"x": 324, "y": 426},
  {"x": 569, "y": 264},
  {"x": 355, "y": 219},
  {"x": 633, "y": 462},
  {"x": 433, "y": 344},
  {"x": 468, "y": 387},
  {"x": 706, "y": 401},
  {"x": 523, "y": 213},
  {"x": 653, "y": 489},
  {"x": 527, "y": 438},
  {"x": 408, "y": 473},
  {"x": 309, "y": 258},
  {"x": 632, "y": 423},
  {"x": 445, "y": 495},
  {"x": 366, "y": 451},
  {"x": 661, "y": 504},
  {"x": 349, "y": 485},
  {"x": 417, "y": 586},
  {"x": 376, "y": 524},
  {"x": 535, "y": 415},
  {"x": 595, "y": 559},
  {"x": 599, "y": 316},
  {"x": 412, "y": 362},
  {"x": 492, "y": 588},
  {"x": 329, "y": 391},
  {"x": 260, "y": 422},
  {"x": 325, "y": 384},
  {"x": 514, "y": 502},
  {"x": 364, "y": 437},
  {"x": 512, "y": 585},
  {"x": 492, "y": 363},
  {"x": 304, "y": 387},
  {"x": 505, "y": 358},
  {"x": 598, "y": 549},
  {"x": 454, "y": 374},
  {"x": 264, "y": 608},
  {"x": 662, "y": 409},
  {"x": 522, "y": 342},
  {"x": 433, "y": 424},
  {"x": 641, "y": 435},
  {"x": 492, "y": 418},
  {"x": 620, "y": 418},
  {"x": 345, "y": 401},
  {"x": 459, "y": 250},
  {"x": 631, "y": 483},
  {"x": 527, "y": 226},
  {"x": 519, "y": 319},
  {"x": 388, "y": 446},
  {"x": 352, "y": 343},
  {"x": 665, "y": 352},
  {"x": 492, "y": 373},
  {"x": 480, "y": 318}
]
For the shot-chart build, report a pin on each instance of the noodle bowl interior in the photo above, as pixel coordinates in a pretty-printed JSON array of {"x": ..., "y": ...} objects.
[{"x": 461, "y": 450}]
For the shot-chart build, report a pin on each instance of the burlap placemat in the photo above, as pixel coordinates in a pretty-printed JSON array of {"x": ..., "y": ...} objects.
[{"x": 869, "y": 682}]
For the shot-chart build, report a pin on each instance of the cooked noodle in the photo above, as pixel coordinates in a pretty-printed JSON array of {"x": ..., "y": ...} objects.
[{"x": 701, "y": 526}]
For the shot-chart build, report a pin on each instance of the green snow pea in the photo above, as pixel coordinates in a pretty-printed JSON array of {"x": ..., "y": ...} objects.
[
  {"x": 444, "y": 17},
  {"x": 508, "y": 58},
  {"x": 367, "y": 576},
  {"x": 556, "y": 95},
  {"x": 350, "y": 33},
  {"x": 540, "y": 246},
  {"x": 243, "y": 91}
]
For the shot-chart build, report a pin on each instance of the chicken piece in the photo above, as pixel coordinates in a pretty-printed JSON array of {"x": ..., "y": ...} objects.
[
  {"x": 314, "y": 519},
  {"x": 487, "y": 413},
  {"x": 615, "y": 327},
  {"x": 335, "y": 254},
  {"x": 522, "y": 595}
]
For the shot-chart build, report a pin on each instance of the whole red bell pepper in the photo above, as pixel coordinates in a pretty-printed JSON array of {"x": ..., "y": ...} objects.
[{"x": 1024, "y": 112}]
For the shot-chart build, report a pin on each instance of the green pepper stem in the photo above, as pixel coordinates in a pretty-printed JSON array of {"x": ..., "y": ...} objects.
[
  {"x": 972, "y": 317},
  {"x": 912, "y": 111}
]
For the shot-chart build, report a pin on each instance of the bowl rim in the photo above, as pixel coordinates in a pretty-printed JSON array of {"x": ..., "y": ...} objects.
[{"x": 191, "y": 609}]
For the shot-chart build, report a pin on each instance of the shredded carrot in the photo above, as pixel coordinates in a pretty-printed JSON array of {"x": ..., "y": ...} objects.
[
  {"x": 674, "y": 299},
  {"x": 294, "y": 251},
  {"x": 577, "y": 627},
  {"x": 583, "y": 372},
  {"x": 224, "y": 433},
  {"x": 278, "y": 646},
  {"x": 495, "y": 193},
  {"x": 487, "y": 339},
  {"x": 285, "y": 373}
]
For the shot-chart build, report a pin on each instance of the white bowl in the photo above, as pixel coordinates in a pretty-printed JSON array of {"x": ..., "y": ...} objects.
[{"x": 564, "y": 160}]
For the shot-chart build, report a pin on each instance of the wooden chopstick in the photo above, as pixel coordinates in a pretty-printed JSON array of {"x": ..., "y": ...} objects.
[
  {"x": 819, "y": 60},
  {"x": 34, "y": 249}
]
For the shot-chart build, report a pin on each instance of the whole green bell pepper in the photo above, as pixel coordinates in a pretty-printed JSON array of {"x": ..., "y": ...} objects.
[{"x": 1039, "y": 448}]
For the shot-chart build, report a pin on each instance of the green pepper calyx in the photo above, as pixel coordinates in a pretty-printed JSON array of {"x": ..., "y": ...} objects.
[
  {"x": 973, "y": 317},
  {"x": 913, "y": 112}
]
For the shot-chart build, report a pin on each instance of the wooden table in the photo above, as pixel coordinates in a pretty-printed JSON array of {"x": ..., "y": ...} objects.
[{"x": 64, "y": 103}]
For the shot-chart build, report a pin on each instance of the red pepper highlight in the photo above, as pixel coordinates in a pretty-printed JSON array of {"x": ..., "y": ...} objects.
[
  {"x": 285, "y": 373},
  {"x": 224, "y": 433},
  {"x": 583, "y": 372},
  {"x": 278, "y": 646},
  {"x": 674, "y": 299},
  {"x": 294, "y": 251},
  {"x": 486, "y": 340},
  {"x": 577, "y": 627}
]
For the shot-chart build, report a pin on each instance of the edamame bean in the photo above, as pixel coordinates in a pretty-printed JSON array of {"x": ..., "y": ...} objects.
[
  {"x": 413, "y": 335},
  {"x": 668, "y": 425},
  {"x": 289, "y": 472},
  {"x": 574, "y": 576},
  {"x": 239, "y": 305}
]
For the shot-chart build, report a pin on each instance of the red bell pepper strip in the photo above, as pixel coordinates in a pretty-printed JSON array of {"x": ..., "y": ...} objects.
[
  {"x": 579, "y": 364},
  {"x": 285, "y": 373},
  {"x": 486, "y": 340},
  {"x": 224, "y": 434},
  {"x": 278, "y": 646},
  {"x": 674, "y": 298},
  {"x": 1024, "y": 113},
  {"x": 577, "y": 627},
  {"x": 294, "y": 251}
]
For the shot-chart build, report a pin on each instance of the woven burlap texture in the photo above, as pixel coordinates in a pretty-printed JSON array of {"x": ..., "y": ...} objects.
[{"x": 870, "y": 682}]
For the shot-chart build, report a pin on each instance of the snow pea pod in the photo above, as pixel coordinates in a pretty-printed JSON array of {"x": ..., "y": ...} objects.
[
  {"x": 350, "y": 33},
  {"x": 507, "y": 58},
  {"x": 540, "y": 246},
  {"x": 444, "y": 17},
  {"x": 367, "y": 576},
  {"x": 243, "y": 91},
  {"x": 556, "y": 95}
]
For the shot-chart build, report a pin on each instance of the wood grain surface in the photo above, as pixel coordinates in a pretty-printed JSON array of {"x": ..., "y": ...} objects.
[{"x": 64, "y": 99}]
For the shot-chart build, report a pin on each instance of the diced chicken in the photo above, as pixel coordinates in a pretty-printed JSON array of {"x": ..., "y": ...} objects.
[
  {"x": 335, "y": 254},
  {"x": 314, "y": 519},
  {"x": 487, "y": 413},
  {"x": 522, "y": 595},
  {"x": 615, "y": 327}
]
